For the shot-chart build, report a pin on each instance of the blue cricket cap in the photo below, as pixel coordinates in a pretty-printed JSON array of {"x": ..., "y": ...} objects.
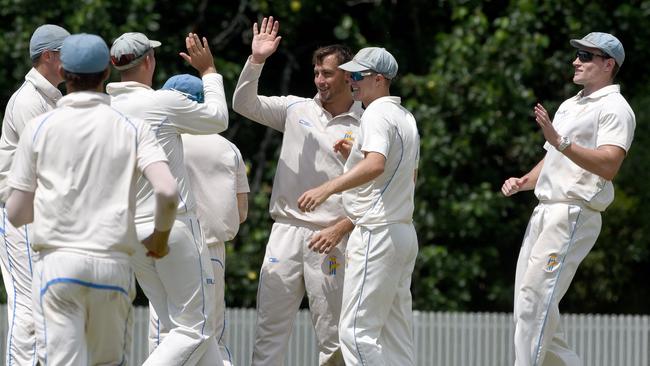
[
  {"x": 604, "y": 42},
  {"x": 84, "y": 54},
  {"x": 187, "y": 84},
  {"x": 376, "y": 59},
  {"x": 46, "y": 37}
]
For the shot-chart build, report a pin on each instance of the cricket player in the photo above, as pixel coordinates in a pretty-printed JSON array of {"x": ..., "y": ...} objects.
[
  {"x": 74, "y": 176},
  {"x": 585, "y": 146},
  {"x": 180, "y": 286},
  {"x": 218, "y": 182},
  {"x": 378, "y": 186},
  {"x": 37, "y": 95},
  {"x": 305, "y": 250}
]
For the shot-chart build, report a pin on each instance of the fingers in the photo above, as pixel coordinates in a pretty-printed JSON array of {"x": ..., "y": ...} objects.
[
  {"x": 276, "y": 27},
  {"x": 255, "y": 30},
  {"x": 263, "y": 27},
  {"x": 185, "y": 57}
]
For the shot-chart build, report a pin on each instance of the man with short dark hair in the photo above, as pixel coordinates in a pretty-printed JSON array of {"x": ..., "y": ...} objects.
[
  {"x": 180, "y": 287},
  {"x": 378, "y": 189},
  {"x": 585, "y": 146},
  {"x": 74, "y": 176},
  {"x": 305, "y": 250},
  {"x": 37, "y": 95}
]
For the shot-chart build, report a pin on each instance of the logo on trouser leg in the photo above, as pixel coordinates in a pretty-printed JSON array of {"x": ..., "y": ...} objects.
[
  {"x": 333, "y": 266},
  {"x": 552, "y": 263}
]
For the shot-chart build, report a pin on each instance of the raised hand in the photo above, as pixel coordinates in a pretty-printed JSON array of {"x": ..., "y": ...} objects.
[
  {"x": 198, "y": 54},
  {"x": 265, "y": 40},
  {"x": 544, "y": 121}
]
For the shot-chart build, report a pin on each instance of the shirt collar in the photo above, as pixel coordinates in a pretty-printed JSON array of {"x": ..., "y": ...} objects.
[
  {"x": 84, "y": 99},
  {"x": 42, "y": 84},
  {"x": 609, "y": 89},
  {"x": 355, "y": 111}
]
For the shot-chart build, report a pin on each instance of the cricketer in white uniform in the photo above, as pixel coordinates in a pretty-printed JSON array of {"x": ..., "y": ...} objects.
[
  {"x": 305, "y": 250},
  {"x": 218, "y": 182},
  {"x": 37, "y": 95},
  {"x": 74, "y": 175},
  {"x": 378, "y": 188},
  {"x": 180, "y": 286},
  {"x": 585, "y": 146}
]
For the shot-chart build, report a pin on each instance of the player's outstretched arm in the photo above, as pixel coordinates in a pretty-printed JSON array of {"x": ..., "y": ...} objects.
[
  {"x": 265, "y": 40},
  {"x": 198, "y": 54},
  {"x": 366, "y": 170},
  {"x": 328, "y": 238},
  {"x": 20, "y": 207},
  {"x": 166, "y": 192}
]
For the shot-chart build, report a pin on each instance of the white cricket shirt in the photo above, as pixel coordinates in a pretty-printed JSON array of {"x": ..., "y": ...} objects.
[
  {"x": 35, "y": 97},
  {"x": 82, "y": 160},
  {"x": 307, "y": 159},
  {"x": 217, "y": 174},
  {"x": 602, "y": 118},
  {"x": 170, "y": 113},
  {"x": 389, "y": 129}
]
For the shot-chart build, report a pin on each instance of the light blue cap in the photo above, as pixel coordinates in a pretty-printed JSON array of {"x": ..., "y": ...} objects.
[
  {"x": 189, "y": 85},
  {"x": 604, "y": 42},
  {"x": 84, "y": 54},
  {"x": 46, "y": 37},
  {"x": 373, "y": 58}
]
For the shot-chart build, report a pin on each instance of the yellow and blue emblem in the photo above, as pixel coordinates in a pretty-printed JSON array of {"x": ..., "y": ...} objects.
[{"x": 333, "y": 265}]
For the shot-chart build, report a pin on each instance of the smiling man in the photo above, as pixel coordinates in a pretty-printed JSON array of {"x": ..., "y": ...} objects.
[
  {"x": 305, "y": 249},
  {"x": 585, "y": 146}
]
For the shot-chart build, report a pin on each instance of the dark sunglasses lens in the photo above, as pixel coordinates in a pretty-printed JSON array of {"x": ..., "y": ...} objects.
[
  {"x": 585, "y": 56},
  {"x": 356, "y": 76}
]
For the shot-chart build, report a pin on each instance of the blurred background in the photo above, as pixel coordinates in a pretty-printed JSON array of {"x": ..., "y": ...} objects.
[{"x": 470, "y": 71}]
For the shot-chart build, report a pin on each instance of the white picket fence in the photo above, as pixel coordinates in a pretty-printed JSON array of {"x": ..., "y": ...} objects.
[{"x": 441, "y": 339}]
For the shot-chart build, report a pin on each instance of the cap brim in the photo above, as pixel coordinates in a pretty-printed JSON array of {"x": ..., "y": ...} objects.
[
  {"x": 352, "y": 66},
  {"x": 579, "y": 43},
  {"x": 154, "y": 44}
]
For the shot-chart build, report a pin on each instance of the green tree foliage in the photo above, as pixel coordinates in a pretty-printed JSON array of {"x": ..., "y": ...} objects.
[{"x": 470, "y": 71}]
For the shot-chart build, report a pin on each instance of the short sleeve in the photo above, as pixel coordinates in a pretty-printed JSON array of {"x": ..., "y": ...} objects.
[
  {"x": 23, "y": 169},
  {"x": 242, "y": 179},
  {"x": 376, "y": 133},
  {"x": 149, "y": 150},
  {"x": 616, "y": 127}
]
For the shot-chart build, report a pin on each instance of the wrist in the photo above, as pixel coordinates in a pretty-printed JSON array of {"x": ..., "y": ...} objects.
[
  {"x": 256, "y": 59},
  {"x": 564, "y": 142},
  {"x": 209, "y": 70}
]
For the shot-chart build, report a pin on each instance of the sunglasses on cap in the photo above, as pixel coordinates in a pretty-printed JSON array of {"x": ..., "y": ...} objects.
[
  {"x": 586, "y": 56},
  {"x": 359, "y": 75}
]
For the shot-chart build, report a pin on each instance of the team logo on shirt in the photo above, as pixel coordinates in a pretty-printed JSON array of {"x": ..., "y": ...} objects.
[
  {"x": 348, "y": 136},
  {"x": 333, "y": 265},
  {"x": 552, "y": 263},
  {"x": 305, "y": 123}
]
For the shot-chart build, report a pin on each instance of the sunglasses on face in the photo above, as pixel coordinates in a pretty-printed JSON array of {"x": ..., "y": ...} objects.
[
  {"x": 586, "y": 56},
  {"x": 359, "y": 75}
]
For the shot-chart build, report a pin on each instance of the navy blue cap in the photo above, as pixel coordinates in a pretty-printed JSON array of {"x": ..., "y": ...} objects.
[
  {"x": 84, "y": 54},
  {"x": 187, "y": 84}
]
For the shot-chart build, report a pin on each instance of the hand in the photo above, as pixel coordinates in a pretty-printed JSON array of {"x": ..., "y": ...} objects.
[
  {"x": 156, "y": 244},
  {"x": 513, "y": 185},
  {"x": 543, "y": 120},
  {"x": 265, "y": 41},
  {"x": 326, "y": 240},
  {"x": 198, "y": 54},
  {"x": 343, "y": 146},
  {"x": 311, "y": 199}
]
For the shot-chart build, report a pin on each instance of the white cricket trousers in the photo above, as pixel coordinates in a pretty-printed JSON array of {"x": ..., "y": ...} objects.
[
  {"x": 86, "y": 306},
  {"x": 289, "y": 270},
  {"x": 218, "y": 260},
  {"x": 559, "y": 236},
  {"x": 179, "y": 286},
  {"x": 376, "y": 326},
  {"x": 17, "y": 276}
]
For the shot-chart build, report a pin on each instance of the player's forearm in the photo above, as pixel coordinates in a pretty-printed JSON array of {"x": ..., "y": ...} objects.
[
  {"x": 20, "y": 207},
  {"x": 604, "y": 161},
  {"x": 532, "y": 176},
  {"x": 165, "y": 192},
  {"x": 366, "y": 170},
  {"x": 344, "y": 226},
  {"x": 242, "y": 206}
]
